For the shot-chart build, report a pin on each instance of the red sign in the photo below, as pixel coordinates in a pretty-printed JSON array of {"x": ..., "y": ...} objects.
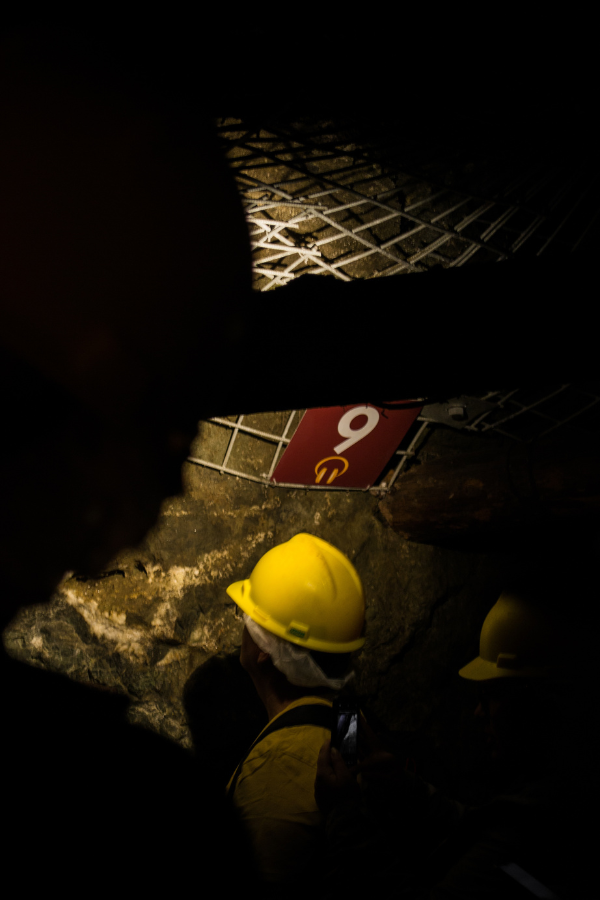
[{"x": 343, "y": 446}]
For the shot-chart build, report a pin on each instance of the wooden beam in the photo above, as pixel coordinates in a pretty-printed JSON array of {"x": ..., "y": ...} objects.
[{"x": 492, "y": 489}]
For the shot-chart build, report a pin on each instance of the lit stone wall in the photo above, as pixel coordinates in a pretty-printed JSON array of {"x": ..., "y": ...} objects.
[{"x": 159, "y": 627}]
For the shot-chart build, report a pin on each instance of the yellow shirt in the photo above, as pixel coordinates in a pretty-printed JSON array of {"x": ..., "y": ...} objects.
[{"x": 275, "y": 796}]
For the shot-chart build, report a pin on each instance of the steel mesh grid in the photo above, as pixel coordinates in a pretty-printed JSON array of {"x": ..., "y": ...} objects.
[
  {"x": 319, "y": 204},
  {"x": 523, "y": 415},
  {"x": 407, "y": 449},
  {"x": 529, "y": 415}
]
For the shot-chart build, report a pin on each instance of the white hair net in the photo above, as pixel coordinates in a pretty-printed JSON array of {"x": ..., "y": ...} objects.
[{"x": 294, "y": 662}]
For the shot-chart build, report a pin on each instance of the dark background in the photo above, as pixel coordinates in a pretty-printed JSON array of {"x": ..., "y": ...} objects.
[
  {"x": 517, "y": 74},
  {"x": 74, "y": 799},
  {"x": 487, "y": 82}
]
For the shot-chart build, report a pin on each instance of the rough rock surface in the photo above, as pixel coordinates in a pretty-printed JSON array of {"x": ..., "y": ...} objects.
[{"x": 159, "y": 627}]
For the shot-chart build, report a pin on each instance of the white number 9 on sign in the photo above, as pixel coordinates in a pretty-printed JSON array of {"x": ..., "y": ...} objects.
[{"x": 346, "y": 430}]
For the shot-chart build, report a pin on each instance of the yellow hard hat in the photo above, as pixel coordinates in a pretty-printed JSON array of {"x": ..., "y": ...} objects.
[
  {"x": 307, "y": 592},
  {"x": 518, "y": 639}
]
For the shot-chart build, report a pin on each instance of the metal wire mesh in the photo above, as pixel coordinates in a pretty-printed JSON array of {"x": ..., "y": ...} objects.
[
  {"x": 406, "y": 450},
  {"x": 519, "y": 414},
  {"x": 317, "y": 203},
  {"x": 530, "y": 414}
]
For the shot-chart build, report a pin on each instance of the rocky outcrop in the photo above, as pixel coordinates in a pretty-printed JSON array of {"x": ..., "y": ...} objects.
[{"x": 158, "y": 626}]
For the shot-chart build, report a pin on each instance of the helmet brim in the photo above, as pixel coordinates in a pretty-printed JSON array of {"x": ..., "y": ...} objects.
[
  {"x": 236, "y": 591},
  {"x": 483, "y": 670},
  {"x": 479, "y": 670}
]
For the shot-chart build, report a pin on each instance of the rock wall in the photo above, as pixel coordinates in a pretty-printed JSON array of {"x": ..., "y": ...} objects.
[{"x": 159, "y": 627}]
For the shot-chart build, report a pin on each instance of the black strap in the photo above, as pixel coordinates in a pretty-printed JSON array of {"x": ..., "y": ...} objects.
[{"x": 308, "y": 714}]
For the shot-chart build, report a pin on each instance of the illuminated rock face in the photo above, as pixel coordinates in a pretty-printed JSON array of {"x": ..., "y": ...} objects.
[{"x": 159, "y": 617}]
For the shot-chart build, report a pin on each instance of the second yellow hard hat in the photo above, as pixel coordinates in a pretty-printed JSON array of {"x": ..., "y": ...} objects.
[{"x": 518, "y": 639}]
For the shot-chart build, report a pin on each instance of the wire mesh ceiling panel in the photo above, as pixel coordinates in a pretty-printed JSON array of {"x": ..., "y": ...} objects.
[
  {"x": 319, "y": 203},
  {"x": 250, "y": 446}
]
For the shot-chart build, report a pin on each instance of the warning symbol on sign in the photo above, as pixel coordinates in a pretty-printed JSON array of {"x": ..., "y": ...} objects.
[{"x": 369, "y": 436}]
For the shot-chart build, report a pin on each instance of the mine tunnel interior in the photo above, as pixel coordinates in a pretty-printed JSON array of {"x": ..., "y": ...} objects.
[
  {"x": 157, "y": 627},
  {"x": 168, "y": 493}
]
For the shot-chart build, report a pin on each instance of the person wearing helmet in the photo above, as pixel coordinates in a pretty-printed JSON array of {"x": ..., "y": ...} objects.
[
  {"x": 398, "y": 831},
  {"x": 303, "y": 611}
]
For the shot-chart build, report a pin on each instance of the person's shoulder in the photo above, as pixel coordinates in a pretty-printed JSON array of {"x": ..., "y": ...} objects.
[
  {"x": 297, "y": 748},
  {"x": 296, "y": 742}
]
